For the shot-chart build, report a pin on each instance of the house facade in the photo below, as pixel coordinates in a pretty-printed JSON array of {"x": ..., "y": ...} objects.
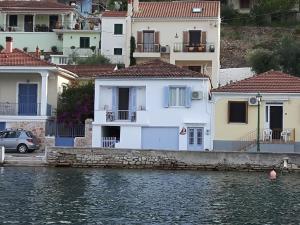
[
  {"x": 154, "y": 105},
  {"x": 236, "y": 110},
  {"x": 29, "y": 89}
]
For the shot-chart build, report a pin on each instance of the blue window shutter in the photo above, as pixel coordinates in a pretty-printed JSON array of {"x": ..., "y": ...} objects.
[
  {"x": 166, "y": 97},
  {"x": 114, "y": 99},
  {"x": 188, "y": 95}
]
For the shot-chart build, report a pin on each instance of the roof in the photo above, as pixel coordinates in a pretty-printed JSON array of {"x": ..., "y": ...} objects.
[
  {"x": 32, "y": 6},
  {"x": 153, "y": 69},
  {"x": 20, "y": 58},
  {"x": 114, "y": 14},
  {"x": 89, "y": 71},
  {"x": 178, "y": 9},
  {"x": 268, "y": 82}
]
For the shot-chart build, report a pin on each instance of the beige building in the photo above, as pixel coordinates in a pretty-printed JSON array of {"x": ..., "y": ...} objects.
[
  {"x": 236, "y": 114},
  {"x": 186, "y": 34},
  {"x": 29, "y": 89}
]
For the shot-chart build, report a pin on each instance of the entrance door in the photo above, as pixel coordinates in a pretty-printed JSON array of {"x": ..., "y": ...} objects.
[
  {"x": 195, "y": 138},
  {"x": 276, "y": 121},
  {"x": 28, "y": 23},
  {"x": 28, "y": 99}
]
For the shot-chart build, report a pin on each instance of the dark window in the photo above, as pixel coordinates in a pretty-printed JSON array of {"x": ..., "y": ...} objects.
[
  {"x": 118, "y": 29},
  {"x": 244, "y": 4},
  {"x": 13, "y": 20},
  {"x": 84, "y": 42},
  {"x": 11, "y": 134},
  {"x": 53, "y": 22},
  {"x": 195, "y": 37},
  {"x": 117, "y": 51},
  {"x": 195, "y": 68},
  {"x": 237, "y": 112}
]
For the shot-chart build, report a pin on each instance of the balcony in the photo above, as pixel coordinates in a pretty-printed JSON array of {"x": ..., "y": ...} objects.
[
  {"x": 120, "y": 115},
  {"x": 147, "y": 50},
  {"x": 186, "y": 47},
  {"x": 23, "y": 109}
]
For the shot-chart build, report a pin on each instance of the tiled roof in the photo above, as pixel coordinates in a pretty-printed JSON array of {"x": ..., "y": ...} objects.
[
  {"x": 89, "y": 71},
  {"x": 178, "y": 9},
  {"x": 154, "y": 69},
  {"x": 114, "y": 14},
  {"x": 20, "y": 58},
  {"x": 30, "y": 5},
  {"x": 268, "y": 82}
]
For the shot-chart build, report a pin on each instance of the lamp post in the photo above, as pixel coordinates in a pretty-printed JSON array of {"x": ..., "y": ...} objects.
[{"x": 258, "y": 98}]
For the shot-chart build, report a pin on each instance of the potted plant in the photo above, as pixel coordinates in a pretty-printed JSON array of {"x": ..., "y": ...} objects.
[
  {"x": 211, "y": 48},
  {"x": 25, "y": 49},
  {"x": 93, "y": 48},
  {"x": 54, "y": 49}
]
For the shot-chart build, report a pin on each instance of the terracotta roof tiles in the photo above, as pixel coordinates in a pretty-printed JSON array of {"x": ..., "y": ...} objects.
[
  {"x": 178, "y": 9},
  {"x": 114, "y": 14},
  {"x": 32, "y": 6},
  {"x": 89, "y": 71},
  {"x": 154, "y": 69},
  {"x": 268, "y": 82}
]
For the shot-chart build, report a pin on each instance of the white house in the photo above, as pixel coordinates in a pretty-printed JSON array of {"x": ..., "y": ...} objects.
[
  {"x": 154, "y": 105},
  {"x": 29, "y": 89}
]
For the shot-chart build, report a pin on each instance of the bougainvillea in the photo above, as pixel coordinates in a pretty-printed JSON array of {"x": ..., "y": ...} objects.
[{"x": 76, "y": 104}]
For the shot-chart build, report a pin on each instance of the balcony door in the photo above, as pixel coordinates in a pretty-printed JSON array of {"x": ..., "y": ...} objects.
[
  {"x": 195, "y": 37},
  {"x": 149, "y": 41},
  {"x": 53, "y": 20},
  {"x": 27, "y": 104},
  {"x": 274, "y": 119},
  {"x": 28, "y": 23}
]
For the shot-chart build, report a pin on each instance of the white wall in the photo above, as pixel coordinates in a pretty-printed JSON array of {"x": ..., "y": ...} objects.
[
  {"x": 199, "y": 114},
  {"x": 109, "y": 40},
  {"x": 234, "y": 74}
]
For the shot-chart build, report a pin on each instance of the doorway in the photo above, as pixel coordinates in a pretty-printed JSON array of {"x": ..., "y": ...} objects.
[
  {"x": 53, "y": 20},
  {"x": 27, "y": 99},
  {"x": 148, "y": 41},
  {"x": 274, "y": 119},
  {"x": 195, "y": 138},
  {"x": 123, "y": 104},
  {"x": 28, "y": 23}
]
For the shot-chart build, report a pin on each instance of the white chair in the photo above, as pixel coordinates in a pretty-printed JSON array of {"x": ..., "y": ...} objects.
[
  {"x": 267, "y": 135},
  {"x": 286, "y": 135}
]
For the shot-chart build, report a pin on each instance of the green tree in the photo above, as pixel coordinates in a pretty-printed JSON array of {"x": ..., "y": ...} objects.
[
  {"x": 93, "y": 60},
  {"x": 132, "y": 49},
  {"x": 119, "y": 5},
  {"x": 76, "y": 103},
  {"x": 262, "y": 60}
]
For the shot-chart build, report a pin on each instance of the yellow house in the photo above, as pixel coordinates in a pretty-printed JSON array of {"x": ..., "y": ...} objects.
[{"x": 265, "y": 105}]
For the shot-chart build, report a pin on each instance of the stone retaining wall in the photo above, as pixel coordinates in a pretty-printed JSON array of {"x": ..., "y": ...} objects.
[{"x": 117, "y": 158}]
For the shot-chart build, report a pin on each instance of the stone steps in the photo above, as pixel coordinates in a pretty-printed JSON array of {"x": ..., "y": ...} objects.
[{"x": 20, "y": 160}]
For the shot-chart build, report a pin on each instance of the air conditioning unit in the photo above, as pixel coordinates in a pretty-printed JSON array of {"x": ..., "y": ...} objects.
[
  {"x": 252, "y": 101},
  {"x": 165, "y": 49},
  {"x": 197, "y": 95}
]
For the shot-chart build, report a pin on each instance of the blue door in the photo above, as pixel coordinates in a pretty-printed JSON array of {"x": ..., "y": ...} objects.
[
  {"x": 165, "y": 138},
  {"x": 195, "y": 138},
  {"x": 2, "y": 126},
  {"x": 64, "y": 141},
  {"x": 28, "y": 99}
]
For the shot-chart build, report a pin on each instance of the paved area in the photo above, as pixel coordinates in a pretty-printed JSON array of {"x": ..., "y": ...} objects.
[{"x": 28, "y": 159}]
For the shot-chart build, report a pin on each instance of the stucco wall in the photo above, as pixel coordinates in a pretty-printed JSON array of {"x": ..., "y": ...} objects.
[{"x": 117, "y": 158}]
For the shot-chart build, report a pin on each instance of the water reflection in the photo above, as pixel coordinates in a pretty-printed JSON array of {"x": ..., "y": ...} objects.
[{"x": 91, "y": 196}]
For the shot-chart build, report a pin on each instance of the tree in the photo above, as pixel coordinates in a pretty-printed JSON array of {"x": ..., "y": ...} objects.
[
  {"x": 119, "y": 5},
  {"x": 76, "y": 104},
  {"x": 132, "y": 49},
  {"x": 94, "y": 60},
  {"x": 262, "y": 60}
]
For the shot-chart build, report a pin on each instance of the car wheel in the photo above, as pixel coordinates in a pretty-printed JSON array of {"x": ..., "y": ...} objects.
[{"x": 22, "y": 148}]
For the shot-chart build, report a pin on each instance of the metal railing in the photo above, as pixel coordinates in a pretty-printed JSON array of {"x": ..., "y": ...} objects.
[
  {"x": 64, "y": 130},
  {"x": 124, "y": 115},
  {"x": 194, "y": 47},
  {"x": 23, "y": 109},
  {"x": 147, "y": 47},
  {"x": 109, "y": 142}
]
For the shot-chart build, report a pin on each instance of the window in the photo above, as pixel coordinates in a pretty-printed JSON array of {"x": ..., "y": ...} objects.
[
  {"x": 13, "y": 20},
  {"x": 195, "y": 37},
  {"x": 244, "y": 4},
  {"x": 237, "y": 112},
  {"x": 84, "y": 42},
  {"x": 11, "y": 134},
  {"x": 177, "y": 96},
  {"x": 118, "y": 29},
  {"x": 195, "y": 68},
  {"x": 117, "y": 51}
]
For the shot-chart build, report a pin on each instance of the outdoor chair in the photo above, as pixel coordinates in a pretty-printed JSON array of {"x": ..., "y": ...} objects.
[
  {"x": 267, "y": 135},
  {"x": 286, "y": 135}
]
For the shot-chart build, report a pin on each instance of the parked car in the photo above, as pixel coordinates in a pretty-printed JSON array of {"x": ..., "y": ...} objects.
[{"x": 18, "y": 140}]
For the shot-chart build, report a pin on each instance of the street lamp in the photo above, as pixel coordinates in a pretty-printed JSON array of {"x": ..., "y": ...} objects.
[{"x": 258, "y": 98}]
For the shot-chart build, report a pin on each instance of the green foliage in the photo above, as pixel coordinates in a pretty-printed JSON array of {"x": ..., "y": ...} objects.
[
  {"x": 119, "y": 5},
  {"x": 132, "y": 49},
  {"x": 1, "y": 48},
  {"x": 54, "y": 49},
  {"x": 93, "y": 60},
  {"x": 76, "y": 104},
  {"x": 262, "y": 60}
]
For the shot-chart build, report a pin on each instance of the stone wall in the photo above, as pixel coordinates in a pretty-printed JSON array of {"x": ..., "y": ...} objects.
[
  {"x": 85, "y": 141},
  {"x": 117, "y": 158}
]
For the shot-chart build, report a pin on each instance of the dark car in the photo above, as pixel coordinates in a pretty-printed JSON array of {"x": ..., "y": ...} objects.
[{"x": 18, "y": 140}]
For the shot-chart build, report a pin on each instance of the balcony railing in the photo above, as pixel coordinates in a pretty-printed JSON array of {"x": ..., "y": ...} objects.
[
  {"x": 23, "y": 109},
  {"x": 147, "y": 47},
  {"x": 120, "y": 115},
  {"x": 191, "y": 47}
]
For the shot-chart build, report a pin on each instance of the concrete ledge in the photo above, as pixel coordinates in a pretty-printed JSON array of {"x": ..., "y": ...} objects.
[{"x": 153, "y": 159}]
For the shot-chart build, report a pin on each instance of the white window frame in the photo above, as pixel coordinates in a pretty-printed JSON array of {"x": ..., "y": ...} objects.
[{"x": 177, "y": 102}]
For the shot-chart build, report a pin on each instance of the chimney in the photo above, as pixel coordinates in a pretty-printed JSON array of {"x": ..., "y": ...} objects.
[
  {"x": 9, "y": 45},
  {"x": 37, "y": 52},
  {"x": 133, "y": 6}
]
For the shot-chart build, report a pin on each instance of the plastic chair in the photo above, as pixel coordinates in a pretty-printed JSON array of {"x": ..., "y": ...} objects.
[
  {"x": 286, "y": 135},
  {"x": 267, "y": 135}
]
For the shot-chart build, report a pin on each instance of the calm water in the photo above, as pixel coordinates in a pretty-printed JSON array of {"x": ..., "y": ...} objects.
[{"x": 95, "y": 196}]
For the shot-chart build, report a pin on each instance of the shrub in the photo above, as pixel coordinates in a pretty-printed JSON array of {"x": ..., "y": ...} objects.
[
  {"x": 94, "y": 60},
  {"x": 262, "y": 60},
  {"x": 25, "y": 49}
]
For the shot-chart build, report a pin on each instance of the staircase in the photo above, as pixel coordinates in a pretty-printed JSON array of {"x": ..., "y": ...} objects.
[{"x": 248, "y": 141}]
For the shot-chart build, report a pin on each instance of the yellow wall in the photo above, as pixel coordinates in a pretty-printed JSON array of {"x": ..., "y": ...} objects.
[{"x": 235, "y": 131}]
